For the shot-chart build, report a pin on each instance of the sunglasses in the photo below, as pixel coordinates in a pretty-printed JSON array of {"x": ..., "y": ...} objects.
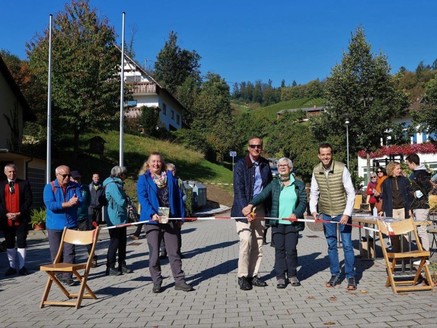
[
  {"x": 256, "y": 146},
  {"x": 65, "y": 175}
]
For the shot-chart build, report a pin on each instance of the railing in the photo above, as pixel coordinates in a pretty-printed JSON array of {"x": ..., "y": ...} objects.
[{"x": 142, "y": 87}]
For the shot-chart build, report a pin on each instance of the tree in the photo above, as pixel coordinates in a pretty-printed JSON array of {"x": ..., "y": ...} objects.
[
  {"x": 361, "y": 90},
  {"x": 85, "y": 69},
  {"x": 213, "y": 116},
  {"x": 426, "y": 116},
  {"x": 174, "y": 65}
]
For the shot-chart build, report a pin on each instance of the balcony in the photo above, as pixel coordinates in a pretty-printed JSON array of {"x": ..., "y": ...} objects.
[{"x": 142, "y": 88}]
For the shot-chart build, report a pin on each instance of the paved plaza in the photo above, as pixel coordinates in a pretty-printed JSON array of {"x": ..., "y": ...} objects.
[{"x": 210, "y": 264}]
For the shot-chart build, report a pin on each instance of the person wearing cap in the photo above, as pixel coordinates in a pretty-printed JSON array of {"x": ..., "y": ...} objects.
[
  {"x": 84, "y": 219},
  {"x": 15, "y": 202},
  {"x": 62, "y": 197}
]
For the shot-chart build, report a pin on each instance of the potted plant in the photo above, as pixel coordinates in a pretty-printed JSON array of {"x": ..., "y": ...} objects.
[{"x": 38, "y": 218}]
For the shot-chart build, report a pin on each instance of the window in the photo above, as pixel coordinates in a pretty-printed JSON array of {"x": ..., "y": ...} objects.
[
  {"x": 164, "y": 109},
  {"x": 172, "y": 114},
  {"x": 178, "y": 119}
]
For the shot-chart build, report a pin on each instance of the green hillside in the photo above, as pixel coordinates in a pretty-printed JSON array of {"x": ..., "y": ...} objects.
[
  {"x": 190, "y": 164},
  {"x": 270, "y": 111}
]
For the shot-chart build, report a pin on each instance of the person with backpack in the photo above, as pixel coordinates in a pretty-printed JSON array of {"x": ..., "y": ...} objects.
[
  {"x": 62, "y": 197},
  {"x": 117, "y": 214}
]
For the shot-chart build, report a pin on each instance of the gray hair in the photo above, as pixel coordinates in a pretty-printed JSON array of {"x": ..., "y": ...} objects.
[
  {"x": 287, "y": 160},
  {"x": 117, "y": 171},
  {"x": 10, "y": 165}
]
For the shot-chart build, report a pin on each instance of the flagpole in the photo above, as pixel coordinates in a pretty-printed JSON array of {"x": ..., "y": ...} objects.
[
  {"x": 121, "y": 159},
  {"x": 49, "y": 107}
]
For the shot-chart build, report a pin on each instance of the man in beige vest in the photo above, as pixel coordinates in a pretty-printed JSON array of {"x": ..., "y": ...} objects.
[{"x": 332, "y": 190}]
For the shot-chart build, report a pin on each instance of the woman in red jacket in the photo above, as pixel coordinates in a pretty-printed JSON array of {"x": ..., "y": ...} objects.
[{"x": 371, "y": 188}]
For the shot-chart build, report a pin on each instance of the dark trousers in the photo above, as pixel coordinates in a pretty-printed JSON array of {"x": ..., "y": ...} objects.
[
  {"x": 154, "y": 234},
  {"x": 86, "y": 225},
  {"x": 20, "y": 232},
  {"x": 285, "y": 240},
  {"x": 117, "y": 243},
  {"x": 68, "y": 254}
]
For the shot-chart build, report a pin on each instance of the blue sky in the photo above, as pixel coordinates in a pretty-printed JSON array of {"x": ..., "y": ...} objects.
[{"x": 250, "y": 40}]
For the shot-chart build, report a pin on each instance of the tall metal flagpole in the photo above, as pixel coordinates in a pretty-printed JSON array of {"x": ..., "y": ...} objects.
[
  {"x": 49, "y": 108},
  {"x": 122, "y": 93}
]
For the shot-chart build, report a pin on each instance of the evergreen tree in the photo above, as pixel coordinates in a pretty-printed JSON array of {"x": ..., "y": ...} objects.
[
  {"x": 174, "y": 65},
  {"x": 361, "y": 90}
]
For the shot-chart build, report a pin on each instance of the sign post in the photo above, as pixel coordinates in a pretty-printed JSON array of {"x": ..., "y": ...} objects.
[{"x": 233, "y": 154}]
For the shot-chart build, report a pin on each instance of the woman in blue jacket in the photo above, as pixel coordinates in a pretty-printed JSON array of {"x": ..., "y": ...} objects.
[
  {"x": 117, "y": 214},
  {"x": 156, "y": 189}
]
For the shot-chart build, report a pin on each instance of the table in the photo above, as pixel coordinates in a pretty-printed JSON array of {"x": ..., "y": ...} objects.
[{"x": 368, "y": 220}]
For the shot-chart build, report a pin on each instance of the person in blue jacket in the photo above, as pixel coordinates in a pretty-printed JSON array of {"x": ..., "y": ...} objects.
[
  {"x": 156, "y": 189},
  {"x": 117, "y": 214},
  {"x": 62, "y": 197}
]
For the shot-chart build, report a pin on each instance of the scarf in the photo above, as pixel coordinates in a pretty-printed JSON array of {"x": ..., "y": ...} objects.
[{"x": 160, "y": 180}]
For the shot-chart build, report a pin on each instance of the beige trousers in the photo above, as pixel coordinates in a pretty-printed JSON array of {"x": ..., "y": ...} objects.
[{"x": 251, "y": 242}]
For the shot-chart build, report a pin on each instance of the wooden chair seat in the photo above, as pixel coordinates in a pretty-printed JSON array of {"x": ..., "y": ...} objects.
[{"x": 79, "y": 271}]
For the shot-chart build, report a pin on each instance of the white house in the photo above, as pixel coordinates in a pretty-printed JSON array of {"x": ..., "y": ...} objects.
[
  {"x": 419, "y": 143},
  {"x": 147, "y": 92}
]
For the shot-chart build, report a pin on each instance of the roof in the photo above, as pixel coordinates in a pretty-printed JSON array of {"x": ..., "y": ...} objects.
[{"x": 28, "y": 115}]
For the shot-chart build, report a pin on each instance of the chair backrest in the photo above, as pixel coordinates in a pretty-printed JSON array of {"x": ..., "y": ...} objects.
[
  {"x": 358, "y": 201},
  {"x": 78, "y": 237},
  {"x": 399, "y": 227}
]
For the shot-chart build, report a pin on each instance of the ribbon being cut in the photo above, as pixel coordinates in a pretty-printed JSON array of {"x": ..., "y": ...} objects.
[{"x": 211, "y": 218}]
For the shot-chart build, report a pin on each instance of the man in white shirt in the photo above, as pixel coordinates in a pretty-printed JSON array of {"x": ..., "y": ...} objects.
[{"x": 332, "y": 190}]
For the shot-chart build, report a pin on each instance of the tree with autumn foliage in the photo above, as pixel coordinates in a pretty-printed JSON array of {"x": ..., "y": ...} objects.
[
  {"x": 362, "y": 91},
  {"x": 85, "y": 70}
]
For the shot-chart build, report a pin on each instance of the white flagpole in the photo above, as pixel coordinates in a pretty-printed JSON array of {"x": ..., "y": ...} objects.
[
  {"x": 121, "y": 159},
  {"x": 49, "y": 108}
]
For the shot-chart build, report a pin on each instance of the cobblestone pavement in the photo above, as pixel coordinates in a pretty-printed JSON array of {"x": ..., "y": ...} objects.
[{"x": 210, "y": 249}]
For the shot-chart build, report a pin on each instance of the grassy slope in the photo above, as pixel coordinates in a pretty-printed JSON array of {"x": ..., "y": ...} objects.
[{"x": 190, "y": 164}]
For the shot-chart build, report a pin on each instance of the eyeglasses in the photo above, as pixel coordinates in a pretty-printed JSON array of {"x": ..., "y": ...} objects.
[
  {"x": 256, "y": 146},
  {"x": 64, "y": 175}
]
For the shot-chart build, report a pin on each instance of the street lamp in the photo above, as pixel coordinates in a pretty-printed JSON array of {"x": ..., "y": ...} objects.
[{"x": 347, "y": 142}]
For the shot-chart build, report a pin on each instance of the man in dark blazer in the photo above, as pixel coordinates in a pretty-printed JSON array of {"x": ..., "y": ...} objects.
[{"x": 15, "y": 202}]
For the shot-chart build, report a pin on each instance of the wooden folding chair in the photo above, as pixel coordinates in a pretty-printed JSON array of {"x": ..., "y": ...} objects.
[
  {"x": 401, "y": 284},
  {"x": 75, "y": 237}
]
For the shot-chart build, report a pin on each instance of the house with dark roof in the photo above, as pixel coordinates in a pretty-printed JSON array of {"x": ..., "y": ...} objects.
[{"x": 146, "y": 91}]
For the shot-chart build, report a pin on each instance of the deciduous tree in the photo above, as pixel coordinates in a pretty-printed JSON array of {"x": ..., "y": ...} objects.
[{"x": 85, "y": 80}]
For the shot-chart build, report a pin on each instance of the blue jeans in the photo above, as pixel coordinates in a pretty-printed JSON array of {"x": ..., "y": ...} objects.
[{"x": 330, "y": 230}]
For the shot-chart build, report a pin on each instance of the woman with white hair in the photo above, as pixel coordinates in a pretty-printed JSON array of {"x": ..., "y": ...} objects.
[
  {"x": 288, "y": 204},
  {"x": 117, "y": 214}
]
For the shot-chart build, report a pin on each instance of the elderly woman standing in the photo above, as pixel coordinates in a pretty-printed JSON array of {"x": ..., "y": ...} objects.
[
  {"x": 288, "y": 201},
  {"x": 159, "y": 188},
  {"x": 117, "y": 214}
]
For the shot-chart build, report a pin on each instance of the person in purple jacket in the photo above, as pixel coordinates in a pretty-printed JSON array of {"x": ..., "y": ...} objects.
[
  {"x": 62, "y": 197},
  {"x": 157, "y": 190}
]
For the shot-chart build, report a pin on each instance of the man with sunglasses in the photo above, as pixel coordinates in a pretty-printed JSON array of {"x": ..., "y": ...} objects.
[
  {"x": 62, "y": 197},
  {"x": 251, "y": 174},
  {"x": 15, "y": 203}
]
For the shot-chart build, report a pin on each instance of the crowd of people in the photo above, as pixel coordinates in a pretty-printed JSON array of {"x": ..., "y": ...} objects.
[{"x": 257, "y": 194}]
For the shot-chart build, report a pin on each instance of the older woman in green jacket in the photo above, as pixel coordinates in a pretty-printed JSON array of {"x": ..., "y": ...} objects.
[{"x": 289, "y": 201}]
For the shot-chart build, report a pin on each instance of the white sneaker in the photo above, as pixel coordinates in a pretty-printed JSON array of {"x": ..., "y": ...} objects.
[{"x": 417, "y": 263}]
